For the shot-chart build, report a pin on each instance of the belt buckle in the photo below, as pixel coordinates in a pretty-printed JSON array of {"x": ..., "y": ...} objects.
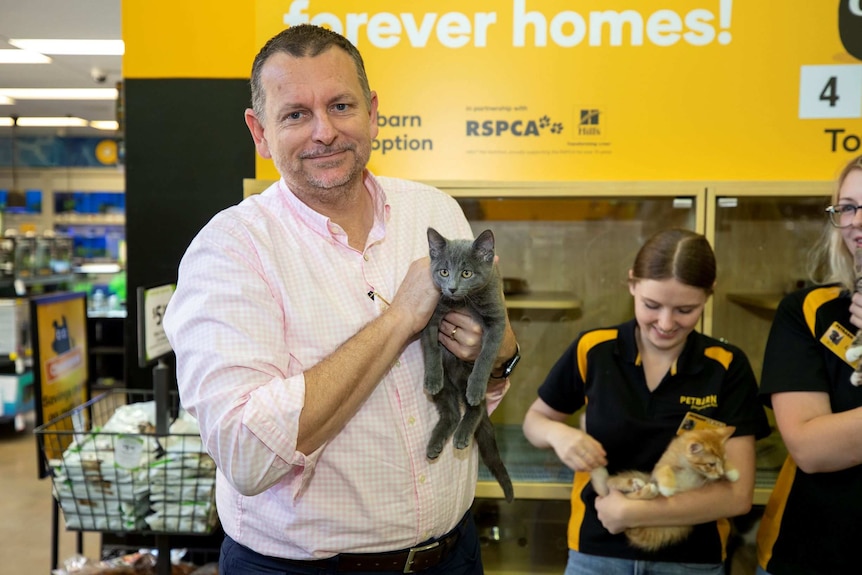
[{"x": 413, "y": 551}]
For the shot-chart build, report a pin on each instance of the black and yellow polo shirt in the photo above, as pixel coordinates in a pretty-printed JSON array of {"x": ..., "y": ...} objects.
[
  {"x": 812, "y": 521},
  {"x": 603, "y": 370}
]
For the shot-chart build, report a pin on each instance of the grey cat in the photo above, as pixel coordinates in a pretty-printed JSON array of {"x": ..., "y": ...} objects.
[{"x": 469, "y": 281}]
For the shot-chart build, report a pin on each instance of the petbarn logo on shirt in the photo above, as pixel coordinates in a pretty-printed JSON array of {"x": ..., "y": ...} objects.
[{"x": 699, "y": 403}]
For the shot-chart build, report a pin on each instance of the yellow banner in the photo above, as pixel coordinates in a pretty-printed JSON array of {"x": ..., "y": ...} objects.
[{"x": 598, "y": 90}]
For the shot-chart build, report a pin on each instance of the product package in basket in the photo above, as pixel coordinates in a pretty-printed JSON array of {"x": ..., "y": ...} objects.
[{"x": 112, "y": 472}]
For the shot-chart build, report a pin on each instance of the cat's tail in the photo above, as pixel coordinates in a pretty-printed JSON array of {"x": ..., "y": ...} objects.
[
  {"x": 657, "y": 537},
  {"x": 490, "y": 453},
  {"x": 599, "y": 479}
]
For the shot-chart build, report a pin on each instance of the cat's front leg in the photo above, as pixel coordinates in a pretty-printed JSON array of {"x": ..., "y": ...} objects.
[
  {"x": 433, "y": 359},
  {"x": 665, "y": 478}
]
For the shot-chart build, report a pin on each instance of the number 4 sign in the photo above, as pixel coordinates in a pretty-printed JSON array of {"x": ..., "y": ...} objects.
[{"x": 830, "y": 92}]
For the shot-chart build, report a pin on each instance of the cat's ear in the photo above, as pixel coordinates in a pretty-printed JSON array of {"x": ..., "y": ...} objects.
[
  {"x": 436, "y": 243},
  {"x": 725, "y": 432},
  {"x": 484, "y": 245}
]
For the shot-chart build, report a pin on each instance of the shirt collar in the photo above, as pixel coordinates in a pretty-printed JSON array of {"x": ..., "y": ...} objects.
[
  {"x": 689, "y": 361},
  {"x": 323, "y": 225}
]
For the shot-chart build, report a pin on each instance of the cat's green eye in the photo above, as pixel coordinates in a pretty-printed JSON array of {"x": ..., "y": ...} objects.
[
  {"x": 466, "y": 274},
  {"x": 444, "y": 273}
]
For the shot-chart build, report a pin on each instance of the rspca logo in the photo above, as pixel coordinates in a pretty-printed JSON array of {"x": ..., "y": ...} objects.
[
  {"x": 517, "y": 128},
  {"x": 589, "y": 123}
]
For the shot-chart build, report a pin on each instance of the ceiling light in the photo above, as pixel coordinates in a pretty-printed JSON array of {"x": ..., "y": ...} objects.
[
  {"x": 59, "y": 93},
  {"x": 72, "y": 47},
  {"x": 23, "y": 57},
  {"x": 48, "y": 122},
  {"x": 6, "y": 122},
  {"x": 105, "y": 124},
  {"x": 6, "y": 101}
]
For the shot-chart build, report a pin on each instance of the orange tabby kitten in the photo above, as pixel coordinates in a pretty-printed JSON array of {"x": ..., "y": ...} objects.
[{"x": 692, "y": 459}]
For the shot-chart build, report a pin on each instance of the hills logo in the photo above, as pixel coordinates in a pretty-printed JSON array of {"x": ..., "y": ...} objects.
[
  {"x": 589, "y": 123},
  {"x": 518, "y": 128}
]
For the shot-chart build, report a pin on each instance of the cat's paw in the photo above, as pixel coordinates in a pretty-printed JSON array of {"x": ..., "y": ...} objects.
[
  {"x": 856, "y": 379},
  {"x": 433, "y": 385},
  {"x": 460, "y": 441},
  {"x": 476, "y": 389},
  {"x": 853, "y": 353},
  {"x": 599, "y": 479},
  {"x": 666, "y": 490},
  {"x": 433, "y": 450},
  {"x": 731, "y": 474}
]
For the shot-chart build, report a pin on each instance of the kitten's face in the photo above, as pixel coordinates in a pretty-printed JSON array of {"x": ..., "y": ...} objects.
[
  {"x": 704, "y": 451},
  {"x": 460, "y": 267}
]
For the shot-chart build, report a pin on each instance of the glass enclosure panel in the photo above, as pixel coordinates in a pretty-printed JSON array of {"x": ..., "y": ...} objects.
[
  {"x": 762, "y": 247},
  {"x": 571, "y": 257},
  {"x": 522, "y": 537}
]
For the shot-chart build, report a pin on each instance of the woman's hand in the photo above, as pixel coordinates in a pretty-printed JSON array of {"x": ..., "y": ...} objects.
[
  {"x": 856, "y": 310},
  {"x": 611, "y": 510}
]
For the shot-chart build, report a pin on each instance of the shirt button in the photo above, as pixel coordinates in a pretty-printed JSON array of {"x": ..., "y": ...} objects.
[
  {"x": 365, "y": 257},
  {"x": 411, "y": 420},
  {"x": 421, "y": 479},
  {"x": 397, "y": 363}
]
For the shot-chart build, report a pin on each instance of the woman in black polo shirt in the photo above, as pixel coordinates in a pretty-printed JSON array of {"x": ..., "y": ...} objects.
[
  {"x": 811, "y": 523},
  {"x": 638, "y": 381}
]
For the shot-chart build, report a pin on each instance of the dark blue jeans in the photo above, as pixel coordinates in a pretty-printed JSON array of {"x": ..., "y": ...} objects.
[{"x": 236, "y": 559}]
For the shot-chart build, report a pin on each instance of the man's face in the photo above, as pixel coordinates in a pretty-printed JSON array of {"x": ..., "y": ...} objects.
[{"x": 317, "y": 126}]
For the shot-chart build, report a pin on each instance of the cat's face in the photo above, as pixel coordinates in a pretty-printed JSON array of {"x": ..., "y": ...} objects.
[
  {"x": 704, "y": 450},
  {"x": 460, "y": 267}
]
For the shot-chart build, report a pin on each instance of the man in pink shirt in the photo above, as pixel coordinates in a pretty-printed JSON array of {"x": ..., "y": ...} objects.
[{"x": 295, "y": 324}]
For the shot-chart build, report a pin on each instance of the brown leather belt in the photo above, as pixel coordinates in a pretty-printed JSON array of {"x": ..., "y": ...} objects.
[{"x": 413, "y": 560}]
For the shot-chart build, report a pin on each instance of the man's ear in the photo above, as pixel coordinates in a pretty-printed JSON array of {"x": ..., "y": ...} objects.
[{"x": 257, "y": 134}]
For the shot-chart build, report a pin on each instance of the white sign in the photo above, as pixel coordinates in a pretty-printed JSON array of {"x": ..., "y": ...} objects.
[
  {"x": 151, "y": 314},
  {"x": 830, "y": 92}
]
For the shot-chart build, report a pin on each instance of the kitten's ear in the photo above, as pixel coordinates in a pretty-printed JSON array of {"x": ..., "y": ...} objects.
[
  {"x": 436, "y": 242},
  {"x": 725, "y": 432},
  {"x": 484, "y": 245}
]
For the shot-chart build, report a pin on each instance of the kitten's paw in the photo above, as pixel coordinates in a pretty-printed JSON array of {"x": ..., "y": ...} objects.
[
  {"x": 433, "y": 385},
  {"x": 599, "y": 479},
  {"x": 732, "y": 474},
  {"x": 475, "y": 394},
  {"x": 853, "y": 353},
  {"x": 461, "y": 442},
  {"x": 666, "y": 491},
  {"x": 433, "y": 450},
  {"x": 856, "y": 378}
]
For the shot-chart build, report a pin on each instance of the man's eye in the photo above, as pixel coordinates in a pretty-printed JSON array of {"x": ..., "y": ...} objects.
[{"x": 341, "y": 107}]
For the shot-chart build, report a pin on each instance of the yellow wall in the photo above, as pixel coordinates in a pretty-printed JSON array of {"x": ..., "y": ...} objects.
[{"x": 532, "y": 90}]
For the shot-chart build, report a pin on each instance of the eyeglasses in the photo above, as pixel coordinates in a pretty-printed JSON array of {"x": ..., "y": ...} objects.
[{"x": 842, "y": 215}]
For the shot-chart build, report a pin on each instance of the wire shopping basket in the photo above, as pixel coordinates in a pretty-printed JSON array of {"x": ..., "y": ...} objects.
[{"x": 112, "y": 472}]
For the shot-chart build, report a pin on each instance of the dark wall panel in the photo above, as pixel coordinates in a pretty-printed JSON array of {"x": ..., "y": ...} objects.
[{"x": 187, "y": 152}]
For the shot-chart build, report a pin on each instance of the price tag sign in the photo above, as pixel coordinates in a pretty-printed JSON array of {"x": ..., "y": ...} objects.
[
  {"x": 151, "y": 313},
  {"x": 830, "y": 92}
]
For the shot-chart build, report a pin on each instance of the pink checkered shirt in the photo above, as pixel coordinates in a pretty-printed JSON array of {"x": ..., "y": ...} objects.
[{"x": 268, "y": 289}]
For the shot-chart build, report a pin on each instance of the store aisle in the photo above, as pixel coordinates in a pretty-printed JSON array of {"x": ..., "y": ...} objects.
[{"x": 25, "y": 509}]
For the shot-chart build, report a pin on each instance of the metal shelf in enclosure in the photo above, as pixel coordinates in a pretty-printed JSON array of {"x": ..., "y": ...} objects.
[{"x": 112, "y": 472}]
